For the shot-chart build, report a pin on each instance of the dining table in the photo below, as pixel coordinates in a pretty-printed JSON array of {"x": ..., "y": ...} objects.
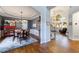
[{"x": 20, "y": 33}]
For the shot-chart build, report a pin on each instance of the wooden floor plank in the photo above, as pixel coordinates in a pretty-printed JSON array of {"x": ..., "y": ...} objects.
[{"x": 50, "y": 47}]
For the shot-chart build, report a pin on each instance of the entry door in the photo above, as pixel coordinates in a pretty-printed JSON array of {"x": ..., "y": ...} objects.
[{"x": 75, "y": 24}]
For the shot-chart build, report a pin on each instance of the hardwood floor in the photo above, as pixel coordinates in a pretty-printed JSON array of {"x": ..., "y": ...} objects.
[
  {"x": 50, "y": 47},
  {"x": 73, "y": 47}
]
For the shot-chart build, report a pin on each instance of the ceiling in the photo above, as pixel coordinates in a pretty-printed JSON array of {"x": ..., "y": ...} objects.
[
  {"x": 61, "y": 10},
  {"x": 15, "y": 11}
]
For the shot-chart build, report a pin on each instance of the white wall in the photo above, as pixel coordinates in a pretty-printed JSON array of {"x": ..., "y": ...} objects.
[
  {"x": 75, "y": 24},
  {"x": 72, "y": 10}
]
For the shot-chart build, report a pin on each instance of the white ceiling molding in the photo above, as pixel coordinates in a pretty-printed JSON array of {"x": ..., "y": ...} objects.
[{"x": 15, "y": 11}]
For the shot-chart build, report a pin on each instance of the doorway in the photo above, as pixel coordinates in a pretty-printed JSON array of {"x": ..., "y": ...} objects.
[
  {"x": 59, "y": 20},
  {"x": 75, "y": 26}
]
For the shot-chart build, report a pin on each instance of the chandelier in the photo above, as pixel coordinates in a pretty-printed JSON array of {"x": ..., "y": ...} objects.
[{"x": 21, "y": 14}]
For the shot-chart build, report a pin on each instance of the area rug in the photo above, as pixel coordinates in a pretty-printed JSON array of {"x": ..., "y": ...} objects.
[{"x": 8, "y": 43}]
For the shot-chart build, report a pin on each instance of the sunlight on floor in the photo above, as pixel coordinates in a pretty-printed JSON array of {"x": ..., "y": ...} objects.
[{"x": 62, "y": 41}]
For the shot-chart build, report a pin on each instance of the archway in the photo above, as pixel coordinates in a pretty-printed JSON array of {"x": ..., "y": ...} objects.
[{"x": 59, "y": 19}]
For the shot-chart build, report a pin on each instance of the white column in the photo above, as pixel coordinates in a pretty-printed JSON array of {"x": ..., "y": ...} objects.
[
  {"x": 70, "y": 23},
  {"x": 44, "y": 26}
]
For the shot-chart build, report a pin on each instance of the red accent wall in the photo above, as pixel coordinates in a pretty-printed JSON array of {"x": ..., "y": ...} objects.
[{"x": 9, "y": 27}]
